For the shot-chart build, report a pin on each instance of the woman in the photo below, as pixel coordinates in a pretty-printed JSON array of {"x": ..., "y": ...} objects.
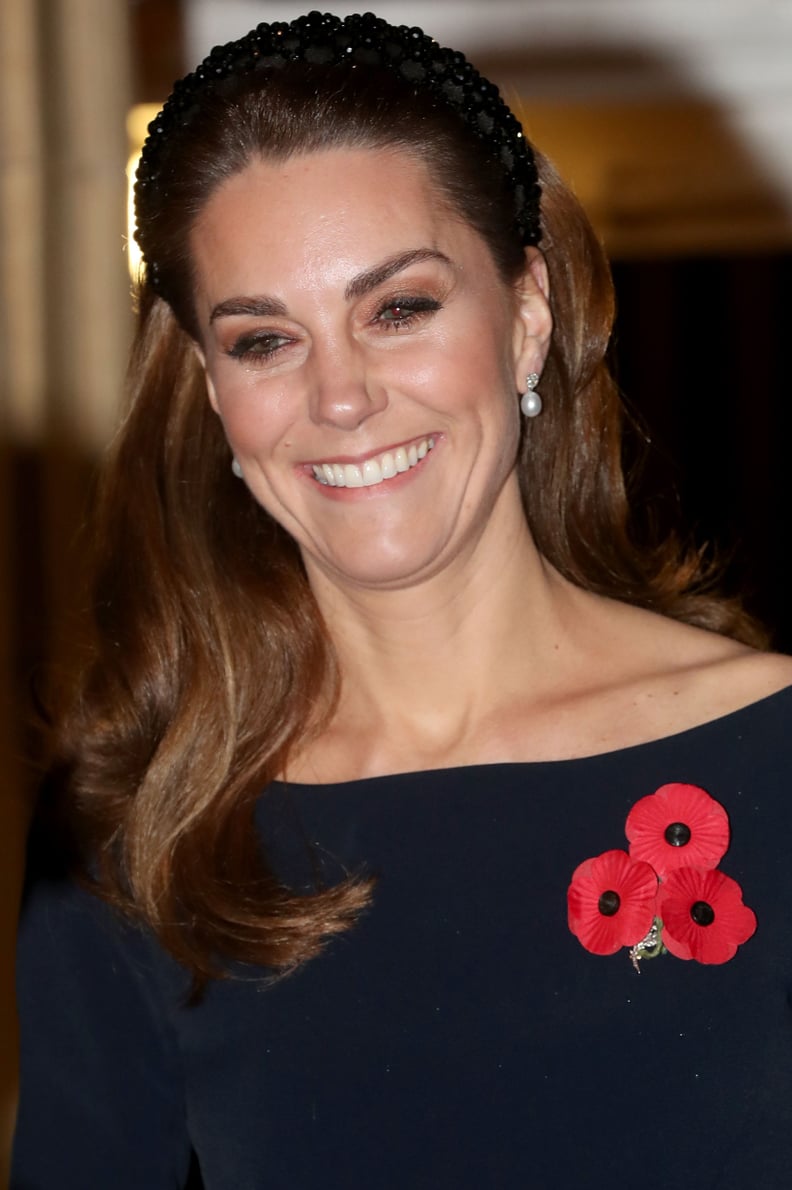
[{"x": 349, "y": 557}]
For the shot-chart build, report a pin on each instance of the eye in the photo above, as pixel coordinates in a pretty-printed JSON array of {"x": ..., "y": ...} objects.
[
  {"x": 400, "y": 312},
  {"x": 261, "y": 345}
]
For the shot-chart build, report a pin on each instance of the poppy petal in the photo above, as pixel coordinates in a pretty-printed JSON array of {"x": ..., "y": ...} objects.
[
  {"x": 678, "y": 826},
  {"x": 703, "y": 914},
  {"x": 611, "y": 901}
]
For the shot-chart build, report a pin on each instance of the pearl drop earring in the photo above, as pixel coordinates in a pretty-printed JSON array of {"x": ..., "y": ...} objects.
[
  {"x": 236, "y": 467},
  {"x": 530, "y": 401}
]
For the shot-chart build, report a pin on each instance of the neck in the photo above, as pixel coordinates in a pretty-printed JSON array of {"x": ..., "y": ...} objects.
[{"x": 423, "y": 667}]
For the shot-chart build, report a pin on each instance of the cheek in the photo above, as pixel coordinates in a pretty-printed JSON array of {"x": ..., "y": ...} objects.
[
  {"x": 252, "y": 420},
  {"x": 470, "y": 369},
  {"x": 482, "y": 383}
]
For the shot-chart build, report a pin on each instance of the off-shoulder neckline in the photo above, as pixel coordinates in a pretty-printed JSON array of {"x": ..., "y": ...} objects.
[{"x": 699, "y": 730}]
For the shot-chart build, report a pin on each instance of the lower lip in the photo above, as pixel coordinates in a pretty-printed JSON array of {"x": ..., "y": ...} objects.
[{"x": 376, "y": 490}]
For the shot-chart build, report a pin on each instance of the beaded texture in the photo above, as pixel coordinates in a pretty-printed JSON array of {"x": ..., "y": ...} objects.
[{"x": 444, "y": 76}]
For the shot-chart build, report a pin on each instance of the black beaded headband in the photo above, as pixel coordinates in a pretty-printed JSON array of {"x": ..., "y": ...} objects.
[{"x": 444, "y": 75}]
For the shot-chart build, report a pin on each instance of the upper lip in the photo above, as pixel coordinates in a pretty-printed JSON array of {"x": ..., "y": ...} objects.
[{"x": 370, "y": 454}]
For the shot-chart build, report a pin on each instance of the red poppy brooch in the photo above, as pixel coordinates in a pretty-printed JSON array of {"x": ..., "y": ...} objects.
[{"x": 667, "y": 894}]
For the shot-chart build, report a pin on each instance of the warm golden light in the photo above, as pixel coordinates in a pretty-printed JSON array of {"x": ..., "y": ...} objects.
[{"x": 138, "y": 119}]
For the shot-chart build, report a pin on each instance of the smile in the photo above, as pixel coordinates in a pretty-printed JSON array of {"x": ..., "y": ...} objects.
[{"x": 377, "y": 469}]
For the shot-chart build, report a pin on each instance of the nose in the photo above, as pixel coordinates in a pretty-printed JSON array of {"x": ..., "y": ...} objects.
[{"x": 344, "y": 388}]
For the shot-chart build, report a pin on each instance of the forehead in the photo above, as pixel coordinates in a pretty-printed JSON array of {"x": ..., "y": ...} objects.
[{"x": 317, "y": 218}]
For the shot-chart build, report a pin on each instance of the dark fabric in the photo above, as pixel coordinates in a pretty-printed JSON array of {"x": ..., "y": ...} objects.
[{"x": 459, "y": 1036}]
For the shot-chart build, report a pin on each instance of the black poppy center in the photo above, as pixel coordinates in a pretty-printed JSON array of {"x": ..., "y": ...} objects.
[
  {"x": 609, "y": 903},
  {"x": 677, "y": 834},
  {"x": 702, "y": 913}
]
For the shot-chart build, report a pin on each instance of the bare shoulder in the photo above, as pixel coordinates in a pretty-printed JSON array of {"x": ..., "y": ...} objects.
[
  {"x": 633, "y": 676},
  {"x": 696, "y": 675},
  {"x": 744, "y": 676}
]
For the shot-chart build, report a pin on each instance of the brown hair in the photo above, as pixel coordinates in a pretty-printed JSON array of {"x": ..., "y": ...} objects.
[{"x": 208, "y": 646}]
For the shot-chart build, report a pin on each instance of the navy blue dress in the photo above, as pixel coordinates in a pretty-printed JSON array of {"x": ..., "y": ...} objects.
[{"x": 459, "y": 1036}]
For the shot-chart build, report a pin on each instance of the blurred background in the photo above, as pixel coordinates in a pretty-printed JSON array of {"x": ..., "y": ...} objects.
[{"x": 672, "y": 119}]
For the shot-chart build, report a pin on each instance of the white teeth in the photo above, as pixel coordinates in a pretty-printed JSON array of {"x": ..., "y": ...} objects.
[
  {"x": 374, "y": 470},
  {"x": 371, "y": 473},
  {"x": 388, "y": 465}
]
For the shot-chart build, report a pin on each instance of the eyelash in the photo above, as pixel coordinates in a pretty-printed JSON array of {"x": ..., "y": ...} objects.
[
  {"x": 263, "y": 345},
  {"x": 260, "y": 346},
  {"x": 412, "y": 308}
]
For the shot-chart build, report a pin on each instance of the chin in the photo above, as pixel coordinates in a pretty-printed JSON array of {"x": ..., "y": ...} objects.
[{"x": 374, "y": 569}]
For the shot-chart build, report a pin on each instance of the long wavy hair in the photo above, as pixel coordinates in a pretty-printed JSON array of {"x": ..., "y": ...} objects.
[{"x": 209, "y": 661}]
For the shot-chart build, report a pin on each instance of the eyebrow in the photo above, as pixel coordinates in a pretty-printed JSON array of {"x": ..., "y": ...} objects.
[
  {"x": 362, "y": 284},
  {"x": 256, "y": 307},
  {"x": 264, "y": 306}
]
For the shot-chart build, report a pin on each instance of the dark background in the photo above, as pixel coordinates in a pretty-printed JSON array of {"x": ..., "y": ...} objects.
[{"x": 701, "y": 354}]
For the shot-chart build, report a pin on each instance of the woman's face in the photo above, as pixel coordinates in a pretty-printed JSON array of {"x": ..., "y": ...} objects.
[{"x": 365, "y": 358}]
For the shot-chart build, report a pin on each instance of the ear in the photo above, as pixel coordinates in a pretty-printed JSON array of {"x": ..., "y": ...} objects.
[
  {"x": 210, "y": 390},
  {"x": 534, "y": 322}
]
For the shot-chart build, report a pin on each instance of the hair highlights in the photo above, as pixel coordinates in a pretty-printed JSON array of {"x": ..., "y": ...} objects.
[{"x": 210, "y": 662}]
